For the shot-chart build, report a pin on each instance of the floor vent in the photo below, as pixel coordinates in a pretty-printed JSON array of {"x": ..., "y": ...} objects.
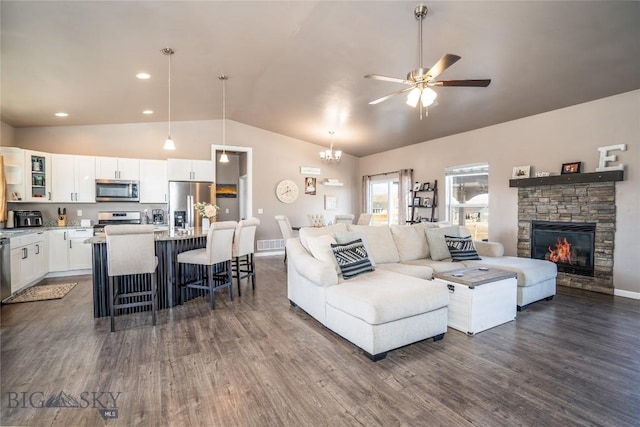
[{"x": 269, "y": 245}]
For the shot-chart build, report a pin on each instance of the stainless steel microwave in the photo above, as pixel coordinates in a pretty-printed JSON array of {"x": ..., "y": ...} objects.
[{"x": 109, "y": 190}]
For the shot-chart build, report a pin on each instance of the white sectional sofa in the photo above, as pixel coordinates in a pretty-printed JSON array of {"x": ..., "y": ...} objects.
[{"x": 397, "y": 303}]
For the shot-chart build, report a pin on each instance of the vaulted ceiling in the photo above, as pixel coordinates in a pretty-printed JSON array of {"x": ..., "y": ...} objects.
[{"x": 297, "y": 67}]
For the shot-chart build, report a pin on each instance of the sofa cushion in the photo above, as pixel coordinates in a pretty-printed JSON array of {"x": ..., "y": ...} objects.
[
  {"x": 414, "y": 270},
  {"x": 306, "y": 232},
  {"x": 352, "y": 258},
  {"x": 530, "y": 271},
  {"x": 350, "y": 236},
  {"x": 320, "y": 248},
  {"x": 410, "y": 241},
  {"x": 385, "y": 296},
  {"x": 437, "y": 245},
  {"x": 436, "y": 266},
  {"x": 461, "y": 248},
  {"x": 380, "y": 240}
]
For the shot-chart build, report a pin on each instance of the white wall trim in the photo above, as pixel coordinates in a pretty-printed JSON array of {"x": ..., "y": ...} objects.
[
  {"x": 626, "y": 294},
  {"x": 267, "y": 253},
  {"x": 239, "y": 149}
]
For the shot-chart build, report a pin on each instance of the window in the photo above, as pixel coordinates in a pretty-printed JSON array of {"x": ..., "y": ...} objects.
[
  {"x": 384, "y": 199},
  {"x": 467, "y": 198}
]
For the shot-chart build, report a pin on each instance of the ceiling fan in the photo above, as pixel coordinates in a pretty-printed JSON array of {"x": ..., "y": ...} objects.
[{"x": 420, "y": 80}]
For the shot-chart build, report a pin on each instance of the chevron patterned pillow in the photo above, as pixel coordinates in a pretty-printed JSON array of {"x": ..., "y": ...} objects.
[
  {"x": 461, "y": 248},
  {"x": 352, "y": 258}
]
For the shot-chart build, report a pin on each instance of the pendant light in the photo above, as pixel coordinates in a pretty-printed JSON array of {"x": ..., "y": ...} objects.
[
  {"x": 223, "y": 157},
  {"x": 169, "y": 144},
  {"x": 331, "y": 155}
]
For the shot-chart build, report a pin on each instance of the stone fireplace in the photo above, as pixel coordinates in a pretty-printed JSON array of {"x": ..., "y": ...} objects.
[{"x": 580, "y": 208}]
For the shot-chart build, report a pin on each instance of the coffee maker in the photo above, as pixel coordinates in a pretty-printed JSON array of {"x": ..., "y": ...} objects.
[{"x": 158, "y": 216}]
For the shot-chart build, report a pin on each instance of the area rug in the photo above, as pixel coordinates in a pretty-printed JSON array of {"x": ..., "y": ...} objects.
[{"x": 41, "y": 293}]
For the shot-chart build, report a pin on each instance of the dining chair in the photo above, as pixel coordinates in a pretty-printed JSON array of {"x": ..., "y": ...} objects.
[
  {"x": 131, "y": 251},
  {"x": 316, "y": 219},
  {"x": 244, "y": 242},
  {"x": 286, "y": 230},
  {"x": 344, "y": 218},
  {"x": 365, "y": 219},
  {"x": 215, "y": 258}
]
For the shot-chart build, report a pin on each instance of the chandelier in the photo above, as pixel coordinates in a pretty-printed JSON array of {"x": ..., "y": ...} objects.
[{"x": 330, "y": 154}]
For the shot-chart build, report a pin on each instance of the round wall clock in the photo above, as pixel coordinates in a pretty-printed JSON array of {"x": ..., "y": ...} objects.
[{"x": 287, "y": 191}]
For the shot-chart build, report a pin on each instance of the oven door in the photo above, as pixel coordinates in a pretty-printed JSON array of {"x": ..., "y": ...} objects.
[{"x": 116, "y": 191}]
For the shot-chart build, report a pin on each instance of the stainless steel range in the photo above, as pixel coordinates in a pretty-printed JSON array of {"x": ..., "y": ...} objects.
[{"x": 113, "y": 218}]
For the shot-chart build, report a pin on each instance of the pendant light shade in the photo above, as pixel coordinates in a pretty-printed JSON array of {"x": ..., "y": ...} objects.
[
  {"x": 223, "y": 157},
  {"x": 169, "y": 144}
]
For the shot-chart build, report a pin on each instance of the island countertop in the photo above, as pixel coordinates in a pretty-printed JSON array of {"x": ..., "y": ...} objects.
[{"x": 163, "y": 235}]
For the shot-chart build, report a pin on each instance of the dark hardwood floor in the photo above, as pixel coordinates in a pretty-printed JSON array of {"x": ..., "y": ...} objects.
[{"x": 257, "y": 361}]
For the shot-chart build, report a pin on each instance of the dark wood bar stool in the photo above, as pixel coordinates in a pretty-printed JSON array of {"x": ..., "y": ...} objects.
[
  {"x": 131, "y": 251},
  {"x": 217, "y": 251}
]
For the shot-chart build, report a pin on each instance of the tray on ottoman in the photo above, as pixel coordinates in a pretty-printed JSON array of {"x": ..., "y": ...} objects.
[{"x": 480, "y": 298}]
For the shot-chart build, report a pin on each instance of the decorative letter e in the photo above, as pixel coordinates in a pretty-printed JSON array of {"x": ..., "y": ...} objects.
[{"x": 604, "y": 158}]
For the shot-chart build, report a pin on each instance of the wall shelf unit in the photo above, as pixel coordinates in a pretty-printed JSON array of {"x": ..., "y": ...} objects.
[{"x": 424, "y": 201}]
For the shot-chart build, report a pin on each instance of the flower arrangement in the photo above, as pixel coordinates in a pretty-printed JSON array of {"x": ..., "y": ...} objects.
[{"x": 207, "y": 210}]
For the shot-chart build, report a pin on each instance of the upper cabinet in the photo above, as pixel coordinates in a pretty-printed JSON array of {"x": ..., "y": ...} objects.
[
  {"x": 191, "y": 170},
  {"x": 153, "y": 181},
  {"x": 117, "y": 168},
  {"x": 37, "y": 176},
  {"x": 73, "y": 178}
]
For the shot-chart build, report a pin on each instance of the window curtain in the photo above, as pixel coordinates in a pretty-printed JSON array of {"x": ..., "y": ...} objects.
[
  {"x": 404, "y": 196},
  {"x": 366, "y": 193},
  {"x": 3, "y": 191}
]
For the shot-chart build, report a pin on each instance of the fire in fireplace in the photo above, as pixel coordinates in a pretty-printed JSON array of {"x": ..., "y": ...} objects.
[{"x": 570, "y": 245}]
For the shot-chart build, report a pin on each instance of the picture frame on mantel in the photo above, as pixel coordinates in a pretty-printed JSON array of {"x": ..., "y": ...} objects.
[
  {"x": 520, "y": 172},
  {"x": 573, "y": 167}
]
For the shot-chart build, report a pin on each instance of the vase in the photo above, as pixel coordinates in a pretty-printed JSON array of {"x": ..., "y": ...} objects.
[{"x": 206, "y": 223}]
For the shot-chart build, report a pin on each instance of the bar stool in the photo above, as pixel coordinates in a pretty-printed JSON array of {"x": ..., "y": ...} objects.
[
  {"x": 131, "y": 251},
  {"x": 243, "y": 249},
  {"x": 217, "y": 251}
]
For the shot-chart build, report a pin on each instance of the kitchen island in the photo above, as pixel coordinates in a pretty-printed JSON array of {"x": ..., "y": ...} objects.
[{"x": 169, "y": 244}]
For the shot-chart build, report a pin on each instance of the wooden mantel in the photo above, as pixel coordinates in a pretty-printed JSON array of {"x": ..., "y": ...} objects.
[{"x": 570, "y": 178}]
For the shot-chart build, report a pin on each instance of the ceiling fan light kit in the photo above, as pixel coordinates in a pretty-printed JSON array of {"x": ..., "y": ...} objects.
[{"x": 422, "y": 79}]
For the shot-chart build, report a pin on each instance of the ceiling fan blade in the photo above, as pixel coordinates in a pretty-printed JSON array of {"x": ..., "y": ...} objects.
[
  {"x": 443, "y": 63},
  {"x": 468, "y": 83},
  {"x": 384, "y": 98},
  {"x": 387, "y": 79}
]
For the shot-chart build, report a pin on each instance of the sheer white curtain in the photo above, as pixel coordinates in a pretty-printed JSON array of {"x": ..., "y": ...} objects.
[{"x": 404, "y": 193}]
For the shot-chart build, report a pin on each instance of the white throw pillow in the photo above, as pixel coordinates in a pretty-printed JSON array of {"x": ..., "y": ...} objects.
[
  {"x": 437, "y": 244},
  {"x": 320, "y": 248},
  {"x": 306, "y": 232},
  {"x": 380, "y": 241}
]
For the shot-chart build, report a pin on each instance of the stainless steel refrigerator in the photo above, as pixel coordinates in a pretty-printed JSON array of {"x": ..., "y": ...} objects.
[{"x": 183, "y": 195}]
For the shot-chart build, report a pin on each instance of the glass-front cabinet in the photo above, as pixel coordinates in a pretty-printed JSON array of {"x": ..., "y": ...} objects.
[{"x": 38, "y": 176}]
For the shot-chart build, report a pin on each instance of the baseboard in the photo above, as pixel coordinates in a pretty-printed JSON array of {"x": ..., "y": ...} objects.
[
  {"x": 68, "y": 273},
  {"x": 268, "y": 253},
  {"x": 626, "y": 294}
]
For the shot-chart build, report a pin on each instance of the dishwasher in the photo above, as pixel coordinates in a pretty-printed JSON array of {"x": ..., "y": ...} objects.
[{"x": 5, "y": 268}]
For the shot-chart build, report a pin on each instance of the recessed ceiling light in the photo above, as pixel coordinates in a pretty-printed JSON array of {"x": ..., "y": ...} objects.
[
  {"x": 143, "y": 76},
  {"x": 147, "y": 112},
  {"x": 61, "y": 114}
]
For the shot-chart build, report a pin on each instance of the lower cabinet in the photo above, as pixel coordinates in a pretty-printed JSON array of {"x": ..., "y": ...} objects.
[
  {"x": 67, "y": 250},
  {"x": 28, "y": 260}
]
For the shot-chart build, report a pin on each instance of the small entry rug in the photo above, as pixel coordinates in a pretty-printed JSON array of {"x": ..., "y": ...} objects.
[{"x": 41, "y": 293}]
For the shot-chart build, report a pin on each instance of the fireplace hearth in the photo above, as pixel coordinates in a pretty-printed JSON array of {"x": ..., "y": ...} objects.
[{"x": 570, "y": 245}]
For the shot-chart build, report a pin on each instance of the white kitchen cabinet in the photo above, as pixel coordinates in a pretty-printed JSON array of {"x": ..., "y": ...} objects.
[
  {"x": 191, "y": 170},
  {"x": 73, "y": 178},
  {"x": 67, "y": 250},
  {"x": 117, "y": 168},
  {"x": 28, "y": 260},
  {"x": 154, "y": 184},
  {"x": 37, "y": 166}
]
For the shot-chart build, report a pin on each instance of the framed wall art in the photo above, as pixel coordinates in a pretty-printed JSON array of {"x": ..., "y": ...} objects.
[{"x": 330, "y": 203}]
